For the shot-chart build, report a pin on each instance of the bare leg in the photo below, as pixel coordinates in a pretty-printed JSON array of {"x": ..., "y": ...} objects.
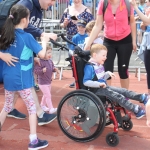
[
  {"x": 124, "y": 83},
  {"x": 148, "y": 113},
  {"x": 32, "y": 123},
  {"x": 148, "y": 91}
]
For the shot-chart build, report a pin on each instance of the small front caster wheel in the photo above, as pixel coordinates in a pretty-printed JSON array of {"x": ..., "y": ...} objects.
[{"x": 112, "y": 139}]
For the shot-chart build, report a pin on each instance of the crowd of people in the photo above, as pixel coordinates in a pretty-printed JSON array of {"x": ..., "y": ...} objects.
[{"x": 116, "y": 37}]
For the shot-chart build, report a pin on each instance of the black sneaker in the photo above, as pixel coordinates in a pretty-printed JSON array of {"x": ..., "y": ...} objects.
[
  {"x": 47, "y": 118},
  {"x": 16, "y": 114},
  {"x": 37, "y": 144},
  {"x": 36, "y": 87},
  {"x": 72, "y": 85}
]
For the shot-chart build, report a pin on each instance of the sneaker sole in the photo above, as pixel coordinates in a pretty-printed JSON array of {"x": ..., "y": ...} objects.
[
  {"x": 44, "y": 123},
  {"x": 11, "y": 116},
  {"x": 140, "y": 117},
  {"x": 38, "y": 147}
]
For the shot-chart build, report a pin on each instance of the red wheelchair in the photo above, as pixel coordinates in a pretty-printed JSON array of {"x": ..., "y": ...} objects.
[{"x": 82, "y": 115}]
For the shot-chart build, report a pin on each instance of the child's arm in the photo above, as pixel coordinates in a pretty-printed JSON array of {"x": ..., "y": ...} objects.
[
  {"x": 44, "y": 40},
  {"x": 88, "y": 76},
  {"x": 108, "y": 74},
  {"x": 38, "y": 70}
]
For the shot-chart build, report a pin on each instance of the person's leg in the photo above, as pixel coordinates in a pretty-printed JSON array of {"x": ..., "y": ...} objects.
[
  {"x": 14, "y": 113},
  {"x": 43, "y": 118},
  {"x": 39, "y": 110},
  {"x": 43, "y": 101},
  {"x": 148, "y": 113},
  {"x": 35, "y": 143},
  {"x": 109, "y": 63},
  {"x": 121, "y": 100},
  {"x": 27, "y": 97},
  {"x": 147, "y": 67},
  {"x": 124, "y": 52},
  {"x": 9, "y": 97},
  {"x": 47, "y": 96},
  {"x": 129, "y": 94}
]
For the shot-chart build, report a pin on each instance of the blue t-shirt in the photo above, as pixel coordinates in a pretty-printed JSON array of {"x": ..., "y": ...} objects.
[
  {"x": 78, "y": 39},
  {"x": 1, "y": 67},
  {"x": 147, "y": 28},
  {"x": 20, "y": 76}
]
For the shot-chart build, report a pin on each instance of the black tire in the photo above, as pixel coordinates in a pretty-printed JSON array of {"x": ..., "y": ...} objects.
[
  {"x": 112, "y": 139},
  {"x": 87, "y": 106},
  {"x": 127, "y": 125}
]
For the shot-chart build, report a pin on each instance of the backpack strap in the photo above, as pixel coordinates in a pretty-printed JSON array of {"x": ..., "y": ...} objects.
[
  {"x": 32, "y": 5},
  {"x": 105, "y": 4},
  {"x": 128, "y": 6}
]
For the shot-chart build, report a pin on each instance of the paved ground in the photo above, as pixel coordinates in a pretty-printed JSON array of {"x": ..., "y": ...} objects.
[{"x": 14, "y": 134}]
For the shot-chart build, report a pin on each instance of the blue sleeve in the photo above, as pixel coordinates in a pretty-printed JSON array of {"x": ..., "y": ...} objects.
[
  {"x": 33, "y": 44},
  {"x": 74, "y": 41},
  {"x": 36, "y": 32},
  {"x": 88, "y": 73}
]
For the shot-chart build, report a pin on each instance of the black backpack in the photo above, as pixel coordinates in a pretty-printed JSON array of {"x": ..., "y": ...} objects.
[
  {"x": 5, "y": 7},
  {"x": 127, "y": 5}
]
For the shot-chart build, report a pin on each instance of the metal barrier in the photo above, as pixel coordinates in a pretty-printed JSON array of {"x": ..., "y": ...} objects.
[{"x": 57, "y": 10}]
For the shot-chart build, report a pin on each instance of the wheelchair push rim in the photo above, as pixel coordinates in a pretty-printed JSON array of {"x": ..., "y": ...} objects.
[{"x": 81, "y": 116}]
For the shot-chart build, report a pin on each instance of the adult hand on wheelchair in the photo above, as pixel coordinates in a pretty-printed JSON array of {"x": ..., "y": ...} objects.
[
  {"x": 103, "y": 85},
  {"x": 111, "y": 74},
  {"x": 87, "y": 46}
]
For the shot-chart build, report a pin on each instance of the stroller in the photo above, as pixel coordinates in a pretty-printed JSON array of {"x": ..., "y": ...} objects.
[{"x": 82, "y": 115}]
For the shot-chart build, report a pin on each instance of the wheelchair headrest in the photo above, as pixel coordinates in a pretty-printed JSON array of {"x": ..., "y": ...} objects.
[{"x": 81, "y": 52}]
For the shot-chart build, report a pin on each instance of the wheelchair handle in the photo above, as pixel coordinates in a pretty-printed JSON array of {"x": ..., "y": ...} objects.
[
  {"x": 62, "y": 35},
  {"x": 57, "y": 44}
]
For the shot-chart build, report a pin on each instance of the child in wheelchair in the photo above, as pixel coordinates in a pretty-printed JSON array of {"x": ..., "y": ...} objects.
[{"x": 95, "y": 79}]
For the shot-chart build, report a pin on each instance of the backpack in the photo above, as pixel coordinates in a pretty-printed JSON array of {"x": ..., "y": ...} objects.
[
  {"x": 5, "y": 7},
  {"x": 128, "y": 6}
]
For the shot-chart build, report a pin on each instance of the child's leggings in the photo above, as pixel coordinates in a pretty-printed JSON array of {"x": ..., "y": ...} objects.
[
  {"x": 46, "y": 99},
  {"x": 27, "y": 97}
]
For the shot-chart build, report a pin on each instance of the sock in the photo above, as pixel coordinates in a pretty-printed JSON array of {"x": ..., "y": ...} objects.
[
  {"x": 136, "y": 109},
  {"x": 41, "y": 116},
  {"x": 32, "y": 137}
]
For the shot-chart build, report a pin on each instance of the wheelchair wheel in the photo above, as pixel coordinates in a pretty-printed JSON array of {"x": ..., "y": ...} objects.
[
  {"x": 81, "y": 116},
  {"x": 112, "y": 139},
  {"x": 127, "y": 125}
]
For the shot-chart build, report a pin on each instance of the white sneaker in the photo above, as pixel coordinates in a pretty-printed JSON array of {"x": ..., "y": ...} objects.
[
  {"x": 45, "y": 108},
  {"x": 52, "y": 110}
]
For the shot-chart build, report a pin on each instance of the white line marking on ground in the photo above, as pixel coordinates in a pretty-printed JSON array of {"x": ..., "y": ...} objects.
[
  {"x": 12, "y": 127},
  {"x": 91, "y": 147},
  {"x": 141, "y": 126},
  {"x": 66, "y": 85}
]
